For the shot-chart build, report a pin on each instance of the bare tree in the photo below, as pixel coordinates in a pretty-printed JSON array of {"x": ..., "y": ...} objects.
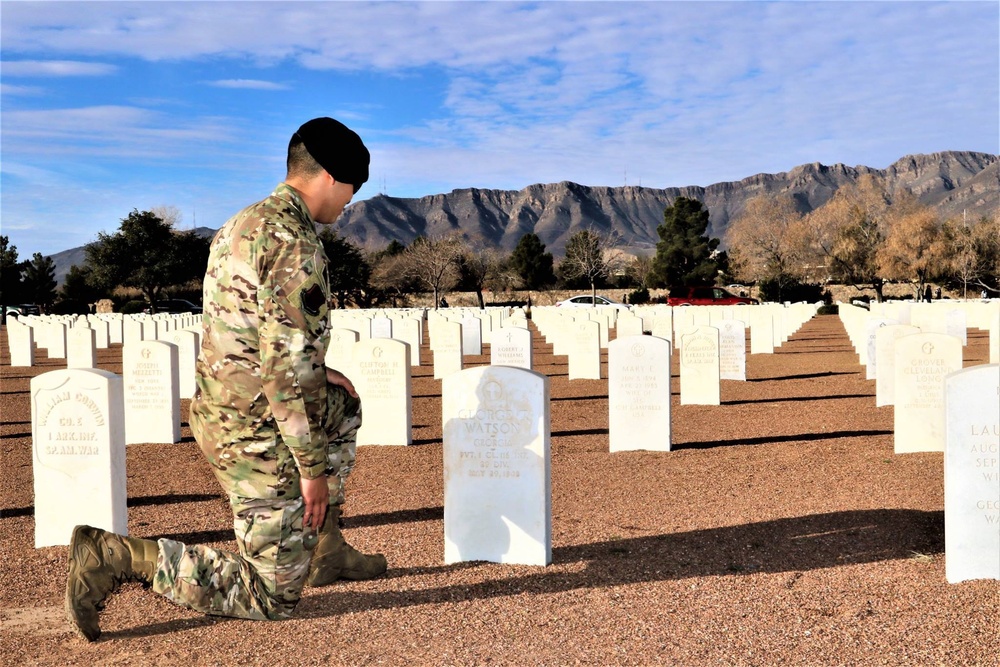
[
  {"x": 847, "y": 232},
  {"x": 974, "y": 254},
  {"x": 434, "y": 263},
  {"x": 642, "y": 270},
  {"x": 592, "y": 256},
  {"x": 483, "y": 268},
  {"x": 915, "y": 248},
  {"x": 767, "y": 242},
  {"x": 388, "y": 280}
]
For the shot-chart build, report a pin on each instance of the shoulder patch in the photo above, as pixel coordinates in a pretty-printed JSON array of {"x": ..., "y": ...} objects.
[{"x": 313, "y": 299}]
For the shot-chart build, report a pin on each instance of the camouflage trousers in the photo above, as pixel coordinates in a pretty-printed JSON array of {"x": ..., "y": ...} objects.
[{"x": 264, "y": 580}]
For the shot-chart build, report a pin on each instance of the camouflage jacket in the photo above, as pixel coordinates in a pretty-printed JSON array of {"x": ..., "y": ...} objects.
[{"x": 261, "y": 379}]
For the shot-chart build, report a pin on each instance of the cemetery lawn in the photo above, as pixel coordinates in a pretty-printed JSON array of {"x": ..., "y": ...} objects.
[{"x": 782, "y": 529}]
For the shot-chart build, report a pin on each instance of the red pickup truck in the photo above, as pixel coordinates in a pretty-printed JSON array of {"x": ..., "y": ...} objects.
[{"x": 706, "y": 296}]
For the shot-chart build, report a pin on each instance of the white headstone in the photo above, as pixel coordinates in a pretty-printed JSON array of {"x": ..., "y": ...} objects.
[
  {"x": 497, "y": 492},
  {"x": 338, "y": 352},
  {"x": 885, "y": 361},
  {"x": 700, "y": 367},
  {"x": 732, "y": 350},
  {"x": 922, "y": 362},
  {"x": 152, "y": 407},
  {"x": 81, "y": 348},
  {"x": 188, "y": 344},
  {"x": 380, "y": 371},
  {"x": 511, "y": 346},
  {"x": 972, "y": 474},
  {"x": 472, "y": 336},
  {"x": 628, "y": 324},
  {"x": 381, "y": 327},
  {"x": 585, "y": 351},
  {"x": 21, "y": 342},
  {"x": 55, "y": 340},
  {"x": 761, "y": 330},
  {"x": 408, "y": 330},
  {"x": 639, "y": 393},
  {"x": 870, "y": 358},
  {"x": 78, "y": 438},
  {"x": 447, "y": 345}
]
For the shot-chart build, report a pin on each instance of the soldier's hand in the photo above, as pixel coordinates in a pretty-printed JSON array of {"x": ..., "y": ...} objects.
[
  {"x": 316, "y": 494},
  {"x": 336, "y": 377}
]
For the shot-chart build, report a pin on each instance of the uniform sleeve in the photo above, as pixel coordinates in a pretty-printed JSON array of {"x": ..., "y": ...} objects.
[{"x": 293, "y": 312}]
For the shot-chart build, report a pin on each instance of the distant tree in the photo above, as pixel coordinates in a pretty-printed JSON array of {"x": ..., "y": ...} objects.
[
  {"x": 11, "y": 285},
  {"x": 915, "y": 248},
  {"x": 847, "y": 232},
  {"x": 146, "y": 253},
  {"x": 642, "y": 271},
  {"x": 78, "y": 286},
  {"x": 766, "y": 243},
  {"x": 684, "y": 253},
  {"x": 592, "y": 257},
  {"x": 388, "y": 283},
  {"x": 484, "y": 268},
  {"x": 530, "y": 261},
  {"x": 433, "y": 263},
  {"x": 40, "y": 281},
  {"x": 394, "y": 248},
  {"x": 347, "y": 268},
  {"x": 974, "y": 255}
]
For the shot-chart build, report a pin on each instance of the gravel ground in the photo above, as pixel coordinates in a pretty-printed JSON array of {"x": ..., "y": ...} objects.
[{"x": 782, "y": 530}]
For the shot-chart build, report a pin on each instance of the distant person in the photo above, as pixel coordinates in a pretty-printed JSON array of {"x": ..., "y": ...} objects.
[
  {"x": 927, "y": 294},
  {"x": 983, "y": 294},
  {"x": 443, "y": 303},
  {"x": 937, "y": 293},
  {"x": 276, "y": 425}
]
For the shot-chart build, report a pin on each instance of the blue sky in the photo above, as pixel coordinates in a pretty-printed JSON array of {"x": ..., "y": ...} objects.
[{"x": 107, "y": 107}]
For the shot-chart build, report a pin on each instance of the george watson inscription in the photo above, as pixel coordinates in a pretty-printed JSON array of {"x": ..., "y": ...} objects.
[{"x": 497, "y": 504}]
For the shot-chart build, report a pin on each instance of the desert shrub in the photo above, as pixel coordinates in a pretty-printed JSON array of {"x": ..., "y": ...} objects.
[
  {"x": 639, "y": 296},
  {"x": 133, "y": 307}
]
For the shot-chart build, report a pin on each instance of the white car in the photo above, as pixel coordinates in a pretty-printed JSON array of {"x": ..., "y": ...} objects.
[{"x": 587, "y": 301}]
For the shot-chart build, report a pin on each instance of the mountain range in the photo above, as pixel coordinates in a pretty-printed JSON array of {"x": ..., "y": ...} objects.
[{"x": 955, "y": 183}]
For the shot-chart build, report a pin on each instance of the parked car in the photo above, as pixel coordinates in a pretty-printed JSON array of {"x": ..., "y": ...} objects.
[
  {"x": 587, "y": 301},
  {"x": 175, "y": 306},
  {"x": 706, "y": 296},
  {"x": 22, "y": 309}
]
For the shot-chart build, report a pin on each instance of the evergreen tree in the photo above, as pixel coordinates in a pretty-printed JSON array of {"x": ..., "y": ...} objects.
[
  {"x": 347, "y": 269},
  {"x": 11, "y": 286},
  {"x": 530, "y": 261},
  {"x": 40, "y": 280},
  {"x": 146, "y": 253},
  {"x": 684, "y": 254}
]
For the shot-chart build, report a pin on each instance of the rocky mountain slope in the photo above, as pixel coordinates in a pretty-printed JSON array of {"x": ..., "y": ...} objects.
[{"x": 952, "y": 182}]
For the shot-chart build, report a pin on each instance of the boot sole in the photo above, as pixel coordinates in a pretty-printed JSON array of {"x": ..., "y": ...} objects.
[{"x": 68, "y": 603}]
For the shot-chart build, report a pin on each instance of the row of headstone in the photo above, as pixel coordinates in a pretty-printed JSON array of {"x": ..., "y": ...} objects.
[
  {"x": 77, "y": 338},
  {"x": 496, "y": 444}
]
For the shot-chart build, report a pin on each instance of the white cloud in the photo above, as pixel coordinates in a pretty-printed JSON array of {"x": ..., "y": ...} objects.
[
  {"x": 55, "y": 68},
  {"x": 248, "y": 84},
  {"x": 21, "y": 91}
]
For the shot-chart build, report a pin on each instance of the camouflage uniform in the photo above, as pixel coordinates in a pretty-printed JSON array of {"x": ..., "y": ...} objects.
[{"x": 263, "y": 412}]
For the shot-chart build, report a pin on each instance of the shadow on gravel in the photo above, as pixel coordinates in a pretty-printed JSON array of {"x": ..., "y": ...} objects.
[
  {"x": 793, "y": 399},
  {"x": 771, "y": 439},
  {"x": 794, "y": 545},
  {"x": 172, "y": 498},
  {"x": 804, "y": 376}
]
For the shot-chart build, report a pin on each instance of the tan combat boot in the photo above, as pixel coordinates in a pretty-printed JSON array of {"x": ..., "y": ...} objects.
[
  {"x": 98, "y": 562},
  {"x": 335, "y": 559}
]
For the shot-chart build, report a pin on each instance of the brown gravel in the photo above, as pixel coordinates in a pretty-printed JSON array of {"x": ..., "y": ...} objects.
[{"x": 782, "y": 530}]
